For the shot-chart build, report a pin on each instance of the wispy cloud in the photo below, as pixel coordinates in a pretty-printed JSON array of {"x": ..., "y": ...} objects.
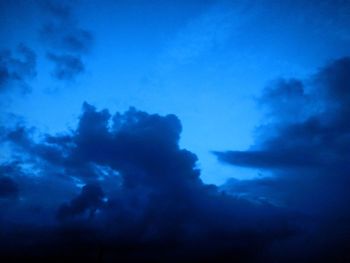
[
  {"x": 209, "y": 30},
  {"x": 16, "y": 68},
  {"x": 66, "y": 40}
]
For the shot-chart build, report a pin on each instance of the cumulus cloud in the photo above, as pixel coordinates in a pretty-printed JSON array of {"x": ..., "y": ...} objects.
[
  {"x": 307, "y": 155},
  {"x": 90, "y": 199},
  {"x": 141, "y": 199},
  {"x": 16, "y": 68},
  {"x": 119, "y": 187}
]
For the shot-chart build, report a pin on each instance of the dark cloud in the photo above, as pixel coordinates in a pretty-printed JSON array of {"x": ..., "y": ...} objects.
[
  {"x": 79, "y": 41},
  {"x": 319, "y": 139},
  {"x": 90, "y": 199},
  {"x": 308, "y": 155},
  {"x": 67, "y": 67},
  {"x": 8, "y": 187},
  {"x": 62, "y": 29},
  {"x": 142, "y": 198},
  {"x": 16, "y": 68},
  {"x": 67, "y": 41},
  {"x": 119, "y": 187},
  {"x": 269, "y": 159},
  {"x": 288, "y": 100},
  {"x": 61, "y": 10}
]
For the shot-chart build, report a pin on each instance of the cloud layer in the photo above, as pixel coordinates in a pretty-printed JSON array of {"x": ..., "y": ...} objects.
[
  {"x": 306, "y": 146},
  {"x": 118, "y": 187}
]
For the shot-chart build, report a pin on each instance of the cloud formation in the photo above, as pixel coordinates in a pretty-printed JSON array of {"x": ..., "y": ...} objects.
[
  {"x": 318, "y": 138},
  {"x": 90, "y": 199},
  {"x": 16, "y": 68},
  {"x": 308, "y": 156},
  {"x": 119, "y": 187},
  {"x": 66, "y": 40},
  {"x": 66, "y": 66},
  {"x": 8, "y": 187}
]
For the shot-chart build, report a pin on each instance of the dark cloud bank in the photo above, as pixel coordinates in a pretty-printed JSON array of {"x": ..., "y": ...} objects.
[
  {"x": 142, "y": 198},
  {"x": 118, "y": 188},
  {"x": 305, "y": 145}
]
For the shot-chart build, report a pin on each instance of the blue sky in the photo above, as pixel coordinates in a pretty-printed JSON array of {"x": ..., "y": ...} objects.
[
  {"x": 174, "y": 131},
  {"x": 205, "y": 61}
]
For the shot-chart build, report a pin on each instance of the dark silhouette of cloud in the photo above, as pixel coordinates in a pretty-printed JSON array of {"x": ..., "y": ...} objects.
[
  {"x": 270, "y": 159},
  {"x": 142, "y": 198},
  {"x": 119, "y": 187},
  {"x": 318, "y": 139},
  {"x": 90, "y": 199},
  {"x": 8, "y": 187},
  {"x": 78, "y": 41},
  {"x": 308, "y": 155},
  {"x": 16, "y": 68},
  {"x": 66, "y": 40},
  {"x": 66, "y": 66}
]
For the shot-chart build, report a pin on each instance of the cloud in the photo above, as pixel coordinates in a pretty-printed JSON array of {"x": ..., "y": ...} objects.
[
  {"x": 17, "y": 68},
  {"x": 78, "y": 41},
  {"x": 8, "y": 187},
  {"x": 307, "y": 155},
  {"x": 90, "y": 199},
  {"x": 319, "y": 139},
  {"x": 211, "y": 28},
  {"x": 207, "y": 32},
  {"x": 66, "y": 40},
  {"x": 141, "y": 198},
  {"x": 119, "y": 187},
  {"x": 269, "y": 159},
  {"x": 67, "y": 67}
]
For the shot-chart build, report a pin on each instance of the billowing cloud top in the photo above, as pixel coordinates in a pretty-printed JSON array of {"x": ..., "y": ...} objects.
[
  {"x": 306, "y": 146},
  {"x": 120, "y": 188},
  {"x": 123, "y": 186}
]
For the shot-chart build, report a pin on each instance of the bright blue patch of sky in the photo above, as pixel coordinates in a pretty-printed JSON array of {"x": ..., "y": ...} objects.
[{"x": 204, "y": 61}]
